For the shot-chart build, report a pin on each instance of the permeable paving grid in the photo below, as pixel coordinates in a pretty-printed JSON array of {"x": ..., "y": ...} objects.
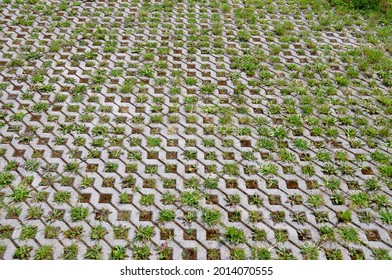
[{"x": 193, "y": 130}]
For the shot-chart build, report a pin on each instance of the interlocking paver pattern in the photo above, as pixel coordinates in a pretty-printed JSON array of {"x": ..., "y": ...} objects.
[{"x": 128, "y": 122}]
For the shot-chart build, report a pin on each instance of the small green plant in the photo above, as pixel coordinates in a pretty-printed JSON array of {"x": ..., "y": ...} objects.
[
  {"x": 231, "y": 169},
  {"x": 298, "y": 217},
  {"x": 301, "y": 144},
  {"x": 337, "y": 199},
  {"x": 94, "y": 253},
  {"x": 281, "y": 236},
  {"x": 72, "y": 167},
  {"x": 40, "y": 107},
  {"x": 153, "y": 141},
  {"x": 259, "y": 234},
  {"x": 120, "y": 232},
  {"x": 168, "y": 198},
  {"x": 124, "y": 198},
  {"x": 169, "y": 183},
  {"x": 20, "y": 193},
  {"x": 118, "y": 253},
  {"x": 249, "y": 64},
  {"x": 308, "y": 170},
  {"x": 208, "y": 88},
  {"x": 11, "y": 165},
  {"x": 167, "y": 215},
  {"x": 6, "y": 179},
  {"x": 332, "y": 183},
  {"x": 147, "y": 199},
  {"x": 281, "y": 28},
  {"x": 211, "y": 216},
  {"x": 285, "y": 254},
  {"x": 79, "y": 213},
  {"x": 269, "y": 169},
  {"x": 334, "y": 254},
  {"x": 98, "y": 232},
  {"x": 349, "y": 234},
  {"x": 87, "y": 182},
  {"x": 255, "y": 216},
  {"x": 244, "y": 35},
  {"x": 144, "y": 233},
  {"x": 235, "y": 235},
  {"x": 44, "y": 252},
  {"x": 141, "y": 252},
  {"x": 327, "y": 233},
  {"x": 255, "y": 199},
  {"x": 151, "y": 169},
  {"x": 316, "y": 200},
  {"x": 5, "y": 231},
  {"x": 361, "y": 200},
  {"x": 309, "y": 252},
  {"x": 190, "y": 154},
  {"x": 191, "y": 198},
  {"x": 233, "y": 199},
  {"x": 237, "y": 254},
  {"x": 74, "y": 232},
  {"x": 372, "y": 184},
  {"x": 386, "y": 217},
  {"x": 260, "y": 253},
  {"x": 278, "y": 216},
  {"x": 190, "y": 81},
  {"x": 23, "y": 252},
  {"x": 70, "y": 252},
  {"x": 111, "y": 167},
  {"x": 62, "y": 197},
  {"x": 211, "y": 183},
  {"x": 34, "y": 213},
  {"x": 147, "y": 71},
  {"x": 344, "y": 216},
  {"x": 286, "y": 156},
  {"x": 381, "y": 254},
  {"x": 28, "y": 232}
]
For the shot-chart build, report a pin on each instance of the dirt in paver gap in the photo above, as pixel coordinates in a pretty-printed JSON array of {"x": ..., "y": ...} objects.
[{"x": 187, "y": 130}]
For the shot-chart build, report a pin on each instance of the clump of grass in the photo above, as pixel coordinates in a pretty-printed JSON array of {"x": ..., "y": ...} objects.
[
  {"x": 2, "y": 249},
  {"x": 381, "y": 254},
  {"x": 247, "y": 63},
  {"x": 211, "y": 216},
  {"x": 141, "y": 252},
  {"x": 70, "y": 252},
  {"x": 94, "y": 253},
  {"x": 147, "y": 199},
  {"x": 98, "y": 232},
  {"x": 167, "y": 215},
  {"x": 260, "y": 253},
  {"x": 118, "y": 253},
  {"x": 231, "y": 169},
  {"x": 79, "y": 213},
  {"x": 153, "y": 141},
  {"x": 349, "y": 234},
  {"x": 235, "y": 235},
  {"x": 28, "y": 232},
  {"x": 309, "y": 252},
  {"x": 238, "y": 254},
  {"x": 144, "y": 233},
  {"x": 6, "y": 179},
  {"x": 23, "y": 252},
  {"x": 281, "y": 28},
  {"x": 386, "y": 217},
  {"x": 20, "y": 193},
  {"x": 191, "y": 198},
  {"x": 44, "y": 252}
]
